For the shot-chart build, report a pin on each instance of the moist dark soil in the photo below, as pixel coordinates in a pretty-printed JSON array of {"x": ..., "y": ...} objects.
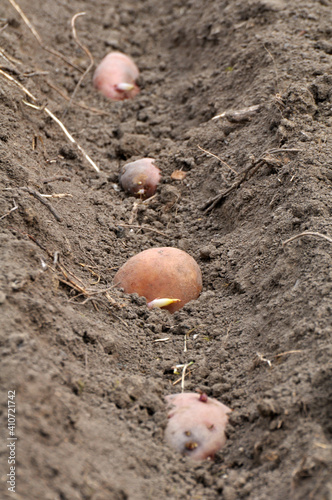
[{"x": 90, "y": 365}]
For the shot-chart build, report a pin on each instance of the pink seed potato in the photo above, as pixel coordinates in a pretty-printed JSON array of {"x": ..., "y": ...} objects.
[
  {"x": 196, "y": 424},
  {"x": 115, "y": 77},
  {"x": 159, "y": 273},
  {"x": 140, "y": 177}
]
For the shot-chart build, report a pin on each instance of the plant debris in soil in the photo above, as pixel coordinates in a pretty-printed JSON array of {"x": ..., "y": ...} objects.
[{"x": 237, "y": 97}]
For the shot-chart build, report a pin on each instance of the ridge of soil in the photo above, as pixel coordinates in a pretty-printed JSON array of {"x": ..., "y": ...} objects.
[{"x": 89, "y": 376}]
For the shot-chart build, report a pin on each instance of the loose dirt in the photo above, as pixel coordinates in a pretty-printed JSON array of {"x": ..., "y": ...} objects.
[{"x": 84, "y": 358}]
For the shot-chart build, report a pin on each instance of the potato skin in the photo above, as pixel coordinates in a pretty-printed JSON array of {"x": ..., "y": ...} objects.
[
  {"x": 164, "y": 272},
  {"x": 140, "y": 177},
  {"x": 114, "y": 69},
  {"x": 196, "y": 425}
]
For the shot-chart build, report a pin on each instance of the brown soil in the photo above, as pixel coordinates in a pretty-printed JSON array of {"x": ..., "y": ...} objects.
[{"x": 90, "y": 379}]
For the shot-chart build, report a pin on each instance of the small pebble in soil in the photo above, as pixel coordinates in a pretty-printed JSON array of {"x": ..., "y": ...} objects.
[{"x": 206, "y": 251}]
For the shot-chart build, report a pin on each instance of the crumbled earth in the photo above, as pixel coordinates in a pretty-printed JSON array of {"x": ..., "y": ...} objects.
[{"x": 83, "y": 357}]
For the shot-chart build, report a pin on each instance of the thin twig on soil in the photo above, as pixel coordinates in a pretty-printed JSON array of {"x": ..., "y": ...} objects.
[
  {"x": 281, "y": 150},
  {"x": 32, "y": 238},
  {"x": 35, "y": 73},
  {"x": 265, "y": 360},
  {"x": 269, "y": 362},
  {"x": 250, "y": 170},
  {"x": 3, "y": 27},
  {"x": 40, "y": 198},
  {"x": 240, "y": 115},
  {"x": 57, "y": 178},
  {"x": 75, "y": 283},
  {"x": 71, "y": 283},
  {"x": 15, "y": 207},
  {"x": 221, "y": 161},
  {"x": 148, "y": 200},
  {"x": 105, "y": 290},
  {"x": 216, "y": 200},
  {"x": 184, "y": 373},
  {"x": 88, "y": 53},
  {"x": 57, "y": 195},
  {"x": 177, "y": 381},
  {"x": 287, "y": 352},
  {"x": 75, "y": 103},
  {"x": 94, "y": 300},
  {"x": 49, "y": 113},
  {"x": 9, "y": 58},
  {"x": 35, "y": 140},
  {"x": 66, "y": 272},
  {"x": 42, "y": 247},
  {"x": 38, "y": 38},
  {"x": 323, "y": 445},
  {"x": 307, "y": 233},
  {"x": 92, "y": 272},
  {"x": 63, "y": 128}
]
